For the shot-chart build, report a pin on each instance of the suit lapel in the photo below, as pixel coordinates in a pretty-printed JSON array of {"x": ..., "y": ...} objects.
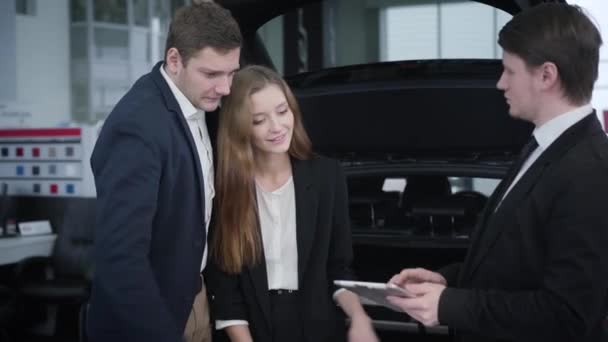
[
  {"x": 212, "y": 121},
  {"x": 306, "y": 204},
  {"x": 306, "y": 212},
  {"x": 259, "y": 279},
  {"x": 480, "y": 226},
  {"x": 173, "y": 106},
  {"x": 495, "y": 222}
]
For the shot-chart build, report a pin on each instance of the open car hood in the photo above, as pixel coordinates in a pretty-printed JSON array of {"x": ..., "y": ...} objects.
[{"x": 431, "y": 108}]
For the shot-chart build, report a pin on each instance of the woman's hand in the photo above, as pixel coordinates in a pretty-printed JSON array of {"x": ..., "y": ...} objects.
[
  {"x": 361, "y": 329},
  {"x": 239, "y": 333}
]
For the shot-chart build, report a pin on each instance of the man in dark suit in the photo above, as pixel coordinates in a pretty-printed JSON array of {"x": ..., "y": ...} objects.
[
  {"x": 153, "y": 169},
  {"x": 537, "y": 267}
]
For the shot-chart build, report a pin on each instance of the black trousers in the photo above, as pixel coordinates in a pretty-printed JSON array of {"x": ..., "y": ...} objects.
[{"x": 286, "y": 320}]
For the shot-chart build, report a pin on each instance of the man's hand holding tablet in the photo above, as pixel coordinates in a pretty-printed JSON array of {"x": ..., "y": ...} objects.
[{"x": 374, "y": 293}]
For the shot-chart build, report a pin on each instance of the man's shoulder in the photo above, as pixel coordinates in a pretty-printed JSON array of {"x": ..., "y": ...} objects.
[
  {"x": 591, "y": 147},
  {"x": 141, "y": 113},
  {"x": 585, "y": 160},
  {"x": 144, "y": 97},
  {"x": 143, "y": 105},
  {"x": 597, "y": 151}
]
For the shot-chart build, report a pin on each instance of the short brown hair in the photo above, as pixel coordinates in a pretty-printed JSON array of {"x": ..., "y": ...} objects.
[
  {"x": 561, "y": 34},
  {"x": 201, "y": 25}
]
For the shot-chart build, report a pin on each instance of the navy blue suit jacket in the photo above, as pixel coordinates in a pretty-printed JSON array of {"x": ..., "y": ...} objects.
[{"x": 150, "y": 236}]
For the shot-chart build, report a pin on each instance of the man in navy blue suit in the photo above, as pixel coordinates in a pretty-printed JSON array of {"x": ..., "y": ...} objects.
[{"x": 153, "y": 168}]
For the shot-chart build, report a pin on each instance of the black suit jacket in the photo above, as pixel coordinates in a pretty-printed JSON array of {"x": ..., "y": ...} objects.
[
  {"x": 324, "y": 254},
  {"x": 537, "y": 268},
  {"x": 150, "y": 236}
]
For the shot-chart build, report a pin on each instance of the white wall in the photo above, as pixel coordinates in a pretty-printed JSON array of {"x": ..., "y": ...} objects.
[
  {"x": 440, "y": 30},
  {"x": 409, "y": 32},
  {"x": 43, "y": 69},
  {"x": 461, "y": 36}
]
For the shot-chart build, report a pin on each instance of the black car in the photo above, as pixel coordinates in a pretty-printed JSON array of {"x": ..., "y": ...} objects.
[{"x": 423, "y": 142}]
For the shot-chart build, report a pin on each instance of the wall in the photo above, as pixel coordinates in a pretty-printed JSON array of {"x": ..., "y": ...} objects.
[
  {"x": 43, "y": 70},
  {"x": 598, "y": 9},
  {"x": 8, "y": 51}
]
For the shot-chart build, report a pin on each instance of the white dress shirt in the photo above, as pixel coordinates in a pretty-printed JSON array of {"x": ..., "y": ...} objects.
[
  {"x": 546, "y": 134},
  {"x": 198, "y": 128},
  {"x": 277, "y": 215}
]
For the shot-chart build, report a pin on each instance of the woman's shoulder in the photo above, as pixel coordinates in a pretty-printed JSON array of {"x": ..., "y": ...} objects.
[{"x": 322, "y": 163}]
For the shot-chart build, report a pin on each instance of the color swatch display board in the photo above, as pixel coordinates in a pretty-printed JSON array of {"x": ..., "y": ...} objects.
[{"x": 47, "y": 161}]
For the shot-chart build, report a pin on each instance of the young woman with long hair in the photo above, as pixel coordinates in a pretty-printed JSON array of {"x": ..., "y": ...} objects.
[{"x": 282, "y": 232}]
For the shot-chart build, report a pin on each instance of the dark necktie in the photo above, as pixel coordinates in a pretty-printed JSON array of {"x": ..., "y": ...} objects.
[
  {"x": 521, "y": 159},
  {"x": 514, "y": 170},
  {"x": 496, "y": 199}
]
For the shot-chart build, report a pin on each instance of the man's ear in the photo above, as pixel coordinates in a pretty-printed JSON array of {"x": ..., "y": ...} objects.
[
  {"x": 549, "y": 75},
  {"x": 173, "y": 61}
]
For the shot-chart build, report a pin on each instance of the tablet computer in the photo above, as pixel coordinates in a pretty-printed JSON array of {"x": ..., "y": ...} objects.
[{"x": 374, "y": 293}]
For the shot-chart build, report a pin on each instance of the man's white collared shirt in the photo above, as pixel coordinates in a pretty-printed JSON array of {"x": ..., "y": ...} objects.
[
  {"x": 546, "y": 134},
  {"x": 198, "y": 128}
]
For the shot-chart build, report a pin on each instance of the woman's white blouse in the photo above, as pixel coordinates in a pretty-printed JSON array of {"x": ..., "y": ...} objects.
[{"x": 277, "y": 214}]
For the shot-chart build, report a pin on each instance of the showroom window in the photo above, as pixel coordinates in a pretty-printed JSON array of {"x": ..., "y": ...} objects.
[
  {"x": 116, "y": 43},
  {"x": 386, "y": 31},
  {"x": 316, "y": 37},
  {"x": 70, "y": 61},
  {"x": 452, "y": 29}
]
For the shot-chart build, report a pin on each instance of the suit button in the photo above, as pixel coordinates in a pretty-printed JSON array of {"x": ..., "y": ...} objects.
[{"x": 197, "y": 243}]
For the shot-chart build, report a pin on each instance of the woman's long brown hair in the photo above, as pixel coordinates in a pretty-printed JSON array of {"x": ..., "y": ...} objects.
[{"x": 237, "y": 242}]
